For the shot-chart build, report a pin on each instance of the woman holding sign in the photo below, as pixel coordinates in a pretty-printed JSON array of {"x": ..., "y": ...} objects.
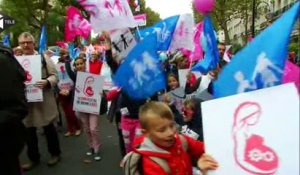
[
  {"x": 90, "y": 122},
  {"x": 65, "y": 86}
]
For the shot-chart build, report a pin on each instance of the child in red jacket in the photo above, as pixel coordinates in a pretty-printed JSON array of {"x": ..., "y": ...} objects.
[{"x": 161, "y": 140}]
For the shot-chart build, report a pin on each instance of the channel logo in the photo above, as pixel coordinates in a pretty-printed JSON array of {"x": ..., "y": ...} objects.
[
  {"x": 6, "y": 21},
  {"x": 1, "y": 22}
]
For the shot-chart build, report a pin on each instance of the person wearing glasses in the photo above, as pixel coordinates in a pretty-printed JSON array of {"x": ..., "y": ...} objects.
[{"x": 41, "y": 114}]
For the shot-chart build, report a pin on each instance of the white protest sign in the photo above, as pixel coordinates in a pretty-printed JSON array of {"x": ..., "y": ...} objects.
[
  {"x": 259, "y": 132},
  {"x": 106, "y": 74},
  {"x": 32, "y": 66},
  {"x": 122, "y": 43},
  {"x": 182, "y": 73},
  {"x": 141, "y": 19},
  {"x": 65, "y": 81},
  {"x": 87, "y": 93},
  {"x": 109, "y": 15},
  {"x": 55, "y": 59}
]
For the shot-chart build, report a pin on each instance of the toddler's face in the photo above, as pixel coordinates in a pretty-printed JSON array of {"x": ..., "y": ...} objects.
[
  {"x": 173, "y": 83},
  {"x": 161, "y": 131}
]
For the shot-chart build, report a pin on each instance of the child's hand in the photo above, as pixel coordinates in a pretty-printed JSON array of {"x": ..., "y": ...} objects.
[
  {"x": 41, "y": 84},
  {"x": 166, "y": 98},
  {"x": 206, "y": 163},
  {"x": 188, "y": 75},
  {"x": 64, "y": 92}
]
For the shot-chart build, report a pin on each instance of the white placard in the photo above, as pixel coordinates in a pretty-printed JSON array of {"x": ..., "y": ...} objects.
[
  {"x": 141, "y": 19},
  {"x": 87, "y": 96},
  {"x": 258, "y": 132},
  {"x": 182, "y": 73},
  {"x": 65, "y": 81},
  {"x": 122, "y": 43},
  {"x": 106, "y": 74},
  {"x": 32, "y": 66}
]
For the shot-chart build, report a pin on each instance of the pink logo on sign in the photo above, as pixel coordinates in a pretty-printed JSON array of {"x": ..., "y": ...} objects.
[
  {"x": 116, "y": 4},
  {"x": 90, "y": 6},
  {"x": 250, "y": 151},
  {"x": 88, "y": 89},
  {"x": 26, "y": 65}
]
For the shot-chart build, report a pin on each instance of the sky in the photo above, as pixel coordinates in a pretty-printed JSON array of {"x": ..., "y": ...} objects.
[{"x": 167, "y": 8}]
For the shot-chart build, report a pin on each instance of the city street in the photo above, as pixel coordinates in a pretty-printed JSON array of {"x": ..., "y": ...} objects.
[{"x": 73, "y": 151}]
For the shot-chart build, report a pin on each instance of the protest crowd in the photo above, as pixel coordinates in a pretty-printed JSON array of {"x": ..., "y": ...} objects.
[{"x": 152, "y": 83}]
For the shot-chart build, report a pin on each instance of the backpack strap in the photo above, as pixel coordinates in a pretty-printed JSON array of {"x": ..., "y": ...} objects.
[
  {"x": 184, "y": 142},
  {"x": 44, "y": 64},
  {"x": 162, "y": 163},
  {"x": 131, "y": 166}
]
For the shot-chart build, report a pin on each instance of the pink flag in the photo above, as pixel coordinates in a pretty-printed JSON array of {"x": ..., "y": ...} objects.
[
  {"x": 76, "y": 25},
  {"x": 108, "y": 15},
  {"x": 62, "y": 44},
  {"x": 198, "y": 51},
  {"x": 291, "y": 74}
]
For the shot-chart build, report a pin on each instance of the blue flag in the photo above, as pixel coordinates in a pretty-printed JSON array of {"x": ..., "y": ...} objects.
[
  {"x": 260, "y": 64},
  {"x": 210, "y": 48},
  {"x": 141, "y": 74},
  {"x": 73, "y": 52},
  {"x": 43, "y": 41},
  {"x": 6, "y": 40},
  {"x": 164, "y": 31}
]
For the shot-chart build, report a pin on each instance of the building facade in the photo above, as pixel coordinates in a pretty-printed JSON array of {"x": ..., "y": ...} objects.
[{"x": 269, "y": 10}]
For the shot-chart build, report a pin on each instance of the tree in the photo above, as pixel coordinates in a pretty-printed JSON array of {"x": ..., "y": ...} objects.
[
  {"x": 31, "y": 15},
  {"x": 227, "y": 10},
  {"x": 152, "y": 16}
]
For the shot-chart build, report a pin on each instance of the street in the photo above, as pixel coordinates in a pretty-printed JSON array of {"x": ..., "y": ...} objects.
[{"x": 73, "y": 151}]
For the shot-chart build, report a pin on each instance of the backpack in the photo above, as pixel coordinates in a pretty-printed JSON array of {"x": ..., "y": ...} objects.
[
  {"x": 13, "y": 105},
  {"x": 134, "y": 164}
]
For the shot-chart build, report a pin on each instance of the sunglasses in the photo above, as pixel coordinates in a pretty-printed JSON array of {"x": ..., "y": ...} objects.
[{"x": 26, "y": 42}]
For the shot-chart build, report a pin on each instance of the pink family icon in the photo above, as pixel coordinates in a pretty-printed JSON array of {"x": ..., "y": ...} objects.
[
  {"x": 26, "y": 65},
  {"x": 88, "y": 89},
  {"x": 250, "y": 151}
]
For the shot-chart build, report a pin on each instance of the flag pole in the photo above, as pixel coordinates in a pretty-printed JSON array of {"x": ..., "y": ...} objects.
[{"x": 138, "y": 31}]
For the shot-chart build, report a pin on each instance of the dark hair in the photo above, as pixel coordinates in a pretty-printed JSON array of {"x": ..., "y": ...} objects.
[
  {"x": 79, "y": 58},
  {"x": 221, "y": 43},
  {"x": 173, "y": 75}
]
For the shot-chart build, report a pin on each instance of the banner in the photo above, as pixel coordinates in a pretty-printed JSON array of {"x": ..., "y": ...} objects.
[
  {"x": 258, "y": 130},
  {"x": 87, "y": 93},
  {"x": 183, "y": 34},
  {"x": 65, "y": 81},
  {"x": 107, "y": 15},
  {"x": 261, "y": 63},
  {"x": 141, "y": 19},
  {"x": 43, "y": 41},
  {"x": 122, "y": 42},
  {"x": 209, "y": 45},
  {"x": 76, "y": 25},
  {"x": 164, "y": 32},
  {"x": 141, "y": 74},
  {"x": 32, "y": 66}
]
